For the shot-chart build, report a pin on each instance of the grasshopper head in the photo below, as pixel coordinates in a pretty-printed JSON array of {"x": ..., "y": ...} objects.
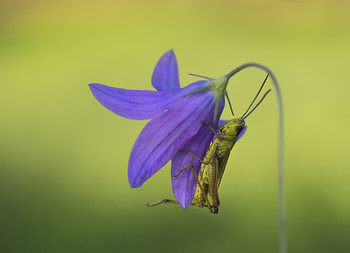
[{"x": 233, "y": 127}]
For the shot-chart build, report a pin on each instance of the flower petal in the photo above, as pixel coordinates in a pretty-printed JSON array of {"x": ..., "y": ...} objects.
[
  {"x": 160, "y": 139},
  {"x": 166, "y": 75},
  {"x": 222, "y": 121},
  {"x": 140, "y": 104},
  {"x": 184, "y": 185},
  {"x": 242, "y": 132}
]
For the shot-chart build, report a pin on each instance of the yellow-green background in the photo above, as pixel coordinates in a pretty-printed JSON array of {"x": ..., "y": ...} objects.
[{"x": 63, "y": 177}]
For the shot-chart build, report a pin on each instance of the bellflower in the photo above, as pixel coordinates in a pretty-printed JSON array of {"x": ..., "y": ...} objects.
[{"x": 176, "y": 114}]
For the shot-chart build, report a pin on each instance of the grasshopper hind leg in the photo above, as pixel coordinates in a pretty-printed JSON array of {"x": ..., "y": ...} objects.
[
  {"x": 163, "y": 201},
  {"x": 212, "y": 209}
]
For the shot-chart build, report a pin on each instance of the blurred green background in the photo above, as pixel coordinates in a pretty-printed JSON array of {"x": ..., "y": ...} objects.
[{"x": 63, "y": 177}]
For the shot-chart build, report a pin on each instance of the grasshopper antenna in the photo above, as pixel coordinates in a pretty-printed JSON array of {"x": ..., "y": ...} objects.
[
  {"x": 256, "y": 105},
  {"x": 256, "y": 96}
]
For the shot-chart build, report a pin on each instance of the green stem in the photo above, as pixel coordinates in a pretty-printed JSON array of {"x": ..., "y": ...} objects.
[{"x": 282, "y": 240}]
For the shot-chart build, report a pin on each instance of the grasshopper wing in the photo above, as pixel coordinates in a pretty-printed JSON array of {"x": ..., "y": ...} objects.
[
  {"x": 222, "y": 166},
  {"x": 223, "y": 161}
]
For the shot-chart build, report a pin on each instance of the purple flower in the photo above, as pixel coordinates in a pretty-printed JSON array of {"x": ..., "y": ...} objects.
[{"x": 175, "y": 115}]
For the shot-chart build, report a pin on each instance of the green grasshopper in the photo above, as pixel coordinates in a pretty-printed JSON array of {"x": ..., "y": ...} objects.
[{"x": 214, "y": 162}]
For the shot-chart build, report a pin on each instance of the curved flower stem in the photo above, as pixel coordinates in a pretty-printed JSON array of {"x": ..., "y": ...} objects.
[{"x": 281, "y": 196}]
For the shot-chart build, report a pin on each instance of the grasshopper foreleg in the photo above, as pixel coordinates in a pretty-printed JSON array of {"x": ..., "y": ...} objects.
[
  {"x": 210, "y": 128},
  {"x": 207, "y": 159},
  {"x": 191, "y": 154}
]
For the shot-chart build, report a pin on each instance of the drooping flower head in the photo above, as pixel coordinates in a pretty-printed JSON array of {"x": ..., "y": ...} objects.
[{"x": 176, "y": 115}]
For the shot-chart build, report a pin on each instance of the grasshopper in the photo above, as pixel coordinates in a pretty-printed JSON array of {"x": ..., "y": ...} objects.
[{"x": 214, "y": 162}]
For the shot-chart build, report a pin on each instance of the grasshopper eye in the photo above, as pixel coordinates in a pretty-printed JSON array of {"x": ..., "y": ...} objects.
[{"x": 239, "y": 128}]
